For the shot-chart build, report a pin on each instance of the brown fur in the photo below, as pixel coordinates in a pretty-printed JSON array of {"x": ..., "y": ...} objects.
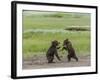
[
  {"x": 67, "y": 45},
  {"x": 52, "y": 51}
]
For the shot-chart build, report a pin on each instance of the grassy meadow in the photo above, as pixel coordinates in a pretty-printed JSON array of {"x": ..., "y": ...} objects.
[{"x": 40, "y": 28}]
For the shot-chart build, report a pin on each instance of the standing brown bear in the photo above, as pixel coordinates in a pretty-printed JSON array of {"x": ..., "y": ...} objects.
[
  {"x": 52, "y": 51},
  {"x": 67, "y": 45}
]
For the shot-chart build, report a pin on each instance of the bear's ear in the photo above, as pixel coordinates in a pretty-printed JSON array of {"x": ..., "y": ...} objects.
[
  {"x": 56, "y": 42},
  {"x": 67, "y": 40},
  {"x": 52, "y": 42}
]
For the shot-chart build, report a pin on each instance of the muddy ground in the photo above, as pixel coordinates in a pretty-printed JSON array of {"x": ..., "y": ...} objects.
[{"x": 37, "y": 62}]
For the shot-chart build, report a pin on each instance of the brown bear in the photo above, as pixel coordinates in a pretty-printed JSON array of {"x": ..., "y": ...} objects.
[
  {"x": 52, "y": 51},
  {"x": 67, "y": 45}
]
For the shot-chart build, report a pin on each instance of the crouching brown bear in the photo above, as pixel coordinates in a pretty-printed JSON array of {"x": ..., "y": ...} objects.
[
  {"x": 52, "y": 51},
  {"x": 67, "y": 45}
]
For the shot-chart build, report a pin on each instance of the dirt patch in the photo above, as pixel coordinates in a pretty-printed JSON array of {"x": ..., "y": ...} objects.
[{"x": 37, "y": 62}]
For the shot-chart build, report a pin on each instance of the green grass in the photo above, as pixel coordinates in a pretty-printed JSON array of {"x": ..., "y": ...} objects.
[
  {"x": 48, "y": 22},
  {"x": 36, "y": 43},
  {"x": 40, "y": 42}
]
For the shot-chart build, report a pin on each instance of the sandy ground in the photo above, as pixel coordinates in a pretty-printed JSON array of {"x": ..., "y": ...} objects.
[{"x": 37, "y": 62}]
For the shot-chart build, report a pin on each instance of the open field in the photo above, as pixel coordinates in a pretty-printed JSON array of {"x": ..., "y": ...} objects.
[
  {"x": 54, "y": 20},
  {"x": 40, "y": 28}
]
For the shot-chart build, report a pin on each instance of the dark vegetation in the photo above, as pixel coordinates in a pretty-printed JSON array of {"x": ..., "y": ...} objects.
[{"x": 78, "y": 28}]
